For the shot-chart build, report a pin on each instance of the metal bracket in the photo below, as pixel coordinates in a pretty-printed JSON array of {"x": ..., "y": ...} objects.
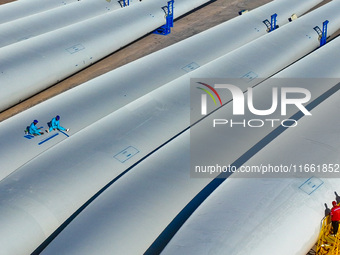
[
  {"x": 318, "y": 30},
  {"x": 322, "y": 34},
  {"x": 271, "y": 26},
  {"x": 124, "y": 3},
  {"x": 169, "y": 16}
]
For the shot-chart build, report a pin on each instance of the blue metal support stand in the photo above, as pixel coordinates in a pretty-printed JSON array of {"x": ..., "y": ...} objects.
[
  {"x": 324, "y": 33},
  {"x": 166, "y": 29},
  {"x": 271, "y": 26},
  {"x": 273, "y": 22},
  {"x": 123, "y": 3}
]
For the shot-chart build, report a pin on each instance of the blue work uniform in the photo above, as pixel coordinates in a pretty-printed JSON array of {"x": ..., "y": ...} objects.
[
  {"x": 55, "y": 125},
  {"x": 33, "y": 130}
]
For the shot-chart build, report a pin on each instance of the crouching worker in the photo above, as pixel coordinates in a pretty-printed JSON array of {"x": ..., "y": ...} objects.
[
  {"x": 54, "y": 124},
  {"x": 33, "y": 130}
]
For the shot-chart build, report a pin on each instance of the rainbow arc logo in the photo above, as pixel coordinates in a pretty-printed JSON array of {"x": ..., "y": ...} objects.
[{"x": 204, "y": 97}]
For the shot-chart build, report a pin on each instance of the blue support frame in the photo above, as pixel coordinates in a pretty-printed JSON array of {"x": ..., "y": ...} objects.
[
  {"x": 166, "y": 29},
  {"x": 324, "y": 33},
  {"x": 271, "y": 26},
  {"x": 123, "y": 3},
  {"x": 273, "y": 22}
]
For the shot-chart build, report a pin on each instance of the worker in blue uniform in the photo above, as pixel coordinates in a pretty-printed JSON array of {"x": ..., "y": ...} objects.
[
  {"x": 54, "y": 124},
  {"x": 33, "y": 130}
]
